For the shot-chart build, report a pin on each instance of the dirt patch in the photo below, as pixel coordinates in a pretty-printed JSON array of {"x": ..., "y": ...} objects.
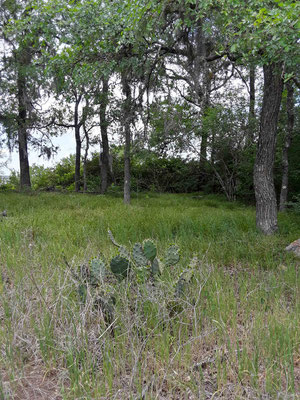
[{"x": 33, "y": 384}]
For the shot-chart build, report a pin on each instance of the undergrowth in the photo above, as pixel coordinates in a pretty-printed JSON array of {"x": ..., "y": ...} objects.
[{"x": 232, "y": 333}]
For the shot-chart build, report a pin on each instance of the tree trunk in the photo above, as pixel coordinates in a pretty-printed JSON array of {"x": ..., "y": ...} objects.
[
  {"x": 22, "y": 123},
  {"x": 287, "y": 143},
  {"x": 199, "y": 71},
  {"x": 78, "y": 146},
  {"x": 251, "y": 117},
  {"x": 104, "y": 155},
  {"x": 87, "y": 145},
  {"x": 127, "y": 122},
  {"x": 266, "y": 205},
  {"x": 202, "y": 81}
]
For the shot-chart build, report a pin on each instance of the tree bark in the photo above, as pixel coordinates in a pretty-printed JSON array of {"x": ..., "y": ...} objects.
[
  {"x": 266, "y": 205},
  {"x": 87, "y": 146},
  {"x": 22, "y": 121},
  {"x": 127, "y": 131},
  {"x": 287, "y": 143},
  {"x": 104, "y": 155},
  {"x": 199, "y": 70},
  {"x": 77, "y": 126}
]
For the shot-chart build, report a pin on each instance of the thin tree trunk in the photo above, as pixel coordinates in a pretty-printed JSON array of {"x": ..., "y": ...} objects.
[
  {"x": 251, "y": 117},
  {"x": 127, "y": 122},
  {"x": 78, "y": 146},
  {"x": 22, "y": 123},
  {"x": 87, "y": 141},
  {"x": 287, "y": 143},
  {"x": 104, "y": 155},
  {"x": 266, "y": 205}
]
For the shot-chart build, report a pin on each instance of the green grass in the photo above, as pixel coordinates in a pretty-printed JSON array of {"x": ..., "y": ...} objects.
[{"x": 237, "y": 333}]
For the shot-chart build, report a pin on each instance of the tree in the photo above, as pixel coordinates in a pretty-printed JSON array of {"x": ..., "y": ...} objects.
[
  {"x": 266, "y": 204},
  {"x": 104, "y": 156},
  {"x": 80, "y": 64},
  {"x": 265, "y": 34},
  {"x": 79, "y": 119},
  {"x": 287, "y": 142},
  {"x": 15, "y": 68},
  {"x": 21, "y": 113}
]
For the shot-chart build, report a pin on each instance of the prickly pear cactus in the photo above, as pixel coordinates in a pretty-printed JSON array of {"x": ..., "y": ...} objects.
[
  {"x": 123, "y": 252},
  {"x": 139, "y": 256},
  {"x": 155, "y": 267},
  {"x": 172, "y": 256},
  {"x": 149, "y": 250},
  {"x": 98, "y": 271},
  {"x": 111, "y": 236},
  {"x": 183, "y": 280},
  {"x": 120, "y": 266}
]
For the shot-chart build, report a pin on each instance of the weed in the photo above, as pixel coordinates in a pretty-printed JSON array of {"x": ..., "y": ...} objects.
[{"x": 233, "y": 333}]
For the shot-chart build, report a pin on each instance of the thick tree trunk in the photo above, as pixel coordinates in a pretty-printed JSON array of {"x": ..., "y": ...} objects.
[
  {"x": 22, "y": 125},
  {"x": 127, "y": 122},
  {"x": 287, "y": 143},
  {"x": 104, "y": 155},
  {"x": 199, "y": 70},
  {"x": 202, "y": 81},
  {"x": 266, "y": 205}
]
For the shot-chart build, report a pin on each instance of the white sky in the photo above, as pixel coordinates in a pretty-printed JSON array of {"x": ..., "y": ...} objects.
[{"x": 65, "y": 142}]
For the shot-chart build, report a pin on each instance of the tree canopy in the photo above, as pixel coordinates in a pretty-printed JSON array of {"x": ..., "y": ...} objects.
[{"x": 170, "y": 76}]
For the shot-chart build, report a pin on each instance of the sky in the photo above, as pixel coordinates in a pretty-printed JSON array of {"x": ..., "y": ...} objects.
[{"x": 65, "y": 142}]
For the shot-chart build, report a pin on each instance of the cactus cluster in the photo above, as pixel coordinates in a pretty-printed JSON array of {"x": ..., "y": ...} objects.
[
  {"x": 143, "y": 257},
  {"x": 139, "y": 264}
]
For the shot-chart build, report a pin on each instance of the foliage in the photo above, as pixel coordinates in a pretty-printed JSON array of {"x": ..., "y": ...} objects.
[
  {"x": 295, "y": 204},
  {"x": 152, "y": 172},
  {"x": 75, "y": 44}
]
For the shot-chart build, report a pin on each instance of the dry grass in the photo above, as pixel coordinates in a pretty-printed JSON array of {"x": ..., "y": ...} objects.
[{"x": 233, "y": 335}]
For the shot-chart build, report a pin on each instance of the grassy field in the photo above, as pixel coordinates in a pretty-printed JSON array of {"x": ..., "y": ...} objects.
[{"x": 233, "y": 334}]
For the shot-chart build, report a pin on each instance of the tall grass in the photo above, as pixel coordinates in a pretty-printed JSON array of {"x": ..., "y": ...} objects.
[{"x": 235, "y": 334}]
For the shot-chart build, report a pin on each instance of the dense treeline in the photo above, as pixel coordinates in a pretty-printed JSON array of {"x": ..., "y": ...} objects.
[
  {"x": 150, "y": 172},
  {"x": 192, "y": 93}
]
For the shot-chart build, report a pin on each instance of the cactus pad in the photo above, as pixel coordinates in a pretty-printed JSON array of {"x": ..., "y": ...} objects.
[
  {"x": 149, "y": 250},
  {"x": 172, "y": 256},
  {"x": 120, "y": 266},
  {"x": 139, "y": 256},
  {"x": 155, "y": 269},
  {"x": 111, "y": 236},
  {"x": 97, "y": 271},
  {"x": 123, "y": 252},
  {"x": 184, "y": 278}
]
